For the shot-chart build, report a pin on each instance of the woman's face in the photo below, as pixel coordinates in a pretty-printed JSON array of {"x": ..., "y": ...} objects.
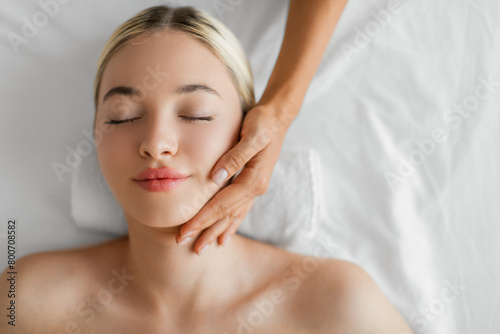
[{"x": 176, "y": 124}]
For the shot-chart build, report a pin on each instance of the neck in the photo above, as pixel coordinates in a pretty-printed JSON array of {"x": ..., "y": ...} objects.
[{"x": 165, "y": 271}]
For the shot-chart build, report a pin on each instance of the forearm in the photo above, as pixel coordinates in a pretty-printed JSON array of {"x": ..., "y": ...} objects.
[{"x": 309, "y": 26}]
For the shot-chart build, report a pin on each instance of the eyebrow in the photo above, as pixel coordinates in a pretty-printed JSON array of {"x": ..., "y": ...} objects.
[{"x": 184, "y": 89}]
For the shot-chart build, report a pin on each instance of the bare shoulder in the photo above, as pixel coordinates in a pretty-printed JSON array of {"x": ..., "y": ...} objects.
[
  {"x": 42, "y": 283},
  {"x": 46, "y": 284},
  {"x": 340, "y": 297}
]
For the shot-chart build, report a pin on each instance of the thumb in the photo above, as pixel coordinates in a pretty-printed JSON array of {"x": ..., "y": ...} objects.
[{"x": 234, "y": 160}]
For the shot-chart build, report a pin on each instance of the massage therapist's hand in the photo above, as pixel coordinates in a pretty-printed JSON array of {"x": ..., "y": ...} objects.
[
  {"x": 308, "y": 29},
  {"x": 263, "y": 131}
]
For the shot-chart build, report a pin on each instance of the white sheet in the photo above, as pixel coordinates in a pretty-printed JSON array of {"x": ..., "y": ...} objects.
[{"x": 365, "y": 108}]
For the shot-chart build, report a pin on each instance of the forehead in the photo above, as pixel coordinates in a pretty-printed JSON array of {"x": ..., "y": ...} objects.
[{"x": 170, "y": 58}]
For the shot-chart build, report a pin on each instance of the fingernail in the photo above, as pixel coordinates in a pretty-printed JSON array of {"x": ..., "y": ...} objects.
[
  {"x": 225, "y": 241},
  {"x": 187, "y": 234},
  {"x": 203, "y": 249},
  {"x": 220, "y": 176},
  {"x": 185, "y": 241}
]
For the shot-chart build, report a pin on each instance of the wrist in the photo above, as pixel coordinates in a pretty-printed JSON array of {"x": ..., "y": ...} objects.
[{"x": 284, "y": 104}]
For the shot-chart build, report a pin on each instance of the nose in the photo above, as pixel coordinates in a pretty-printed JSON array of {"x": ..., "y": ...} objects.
[{"x": 159, "y": 141}]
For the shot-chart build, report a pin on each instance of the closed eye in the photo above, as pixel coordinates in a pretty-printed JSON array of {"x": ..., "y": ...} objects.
[
  {"x": 193, "y": 119},
  {"x": 188, "y": 118},
  {"x": 121, "y": 121}
]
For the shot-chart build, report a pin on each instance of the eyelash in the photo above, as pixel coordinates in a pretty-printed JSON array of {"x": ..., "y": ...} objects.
[
  {"x": 189, "y": 119},
  {"x": 121, "y": 122}
]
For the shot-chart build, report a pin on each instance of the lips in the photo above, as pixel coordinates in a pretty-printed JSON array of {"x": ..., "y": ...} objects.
[
  {"x": 160, "y": 179},
  {"x": 159, "y": 173}
]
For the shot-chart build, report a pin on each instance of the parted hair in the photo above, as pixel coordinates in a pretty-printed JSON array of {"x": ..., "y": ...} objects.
[{"x": 195, "y": 23}]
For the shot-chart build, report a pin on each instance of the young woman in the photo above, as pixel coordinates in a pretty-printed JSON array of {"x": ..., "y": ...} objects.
[{"x": 171, "y": 92}]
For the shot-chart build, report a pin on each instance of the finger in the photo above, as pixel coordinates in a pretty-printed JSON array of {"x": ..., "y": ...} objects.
[
  {"x": 228, "y": 200},
  {"x": 234, "y": 196},
  {"x": 234, "y": 160},
  {"x": 230, "y": 231},
  {"x": 235, "y": 224},
  {"x": 210, "y": 234},
  {"x": 257, "y": 172}
]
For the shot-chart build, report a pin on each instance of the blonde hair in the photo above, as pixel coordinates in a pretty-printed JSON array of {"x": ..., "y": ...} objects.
[{"x": 195, "y": 23}]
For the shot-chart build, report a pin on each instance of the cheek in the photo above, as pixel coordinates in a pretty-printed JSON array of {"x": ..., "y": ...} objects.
[
  {"x": 113, "y": 151},
  {"x": 208, "y": 144}
]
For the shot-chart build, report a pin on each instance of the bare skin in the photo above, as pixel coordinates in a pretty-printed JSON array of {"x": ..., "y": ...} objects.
[
  {"x": 309, "y": 27},
  {"x": 146, "y": 282},
  {"x": 270, "y": 290}
]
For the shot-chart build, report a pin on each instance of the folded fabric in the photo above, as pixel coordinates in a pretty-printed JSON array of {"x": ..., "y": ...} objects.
[{"x": 289, "y": 210}]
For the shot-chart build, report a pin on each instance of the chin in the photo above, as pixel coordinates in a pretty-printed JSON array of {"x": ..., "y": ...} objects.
[
  {"x": 168, "y": 209},
  {"x": 167, "y": 216}
]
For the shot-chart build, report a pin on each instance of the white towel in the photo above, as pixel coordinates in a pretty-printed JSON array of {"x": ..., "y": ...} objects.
[{"x": 288, "y": 212}]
